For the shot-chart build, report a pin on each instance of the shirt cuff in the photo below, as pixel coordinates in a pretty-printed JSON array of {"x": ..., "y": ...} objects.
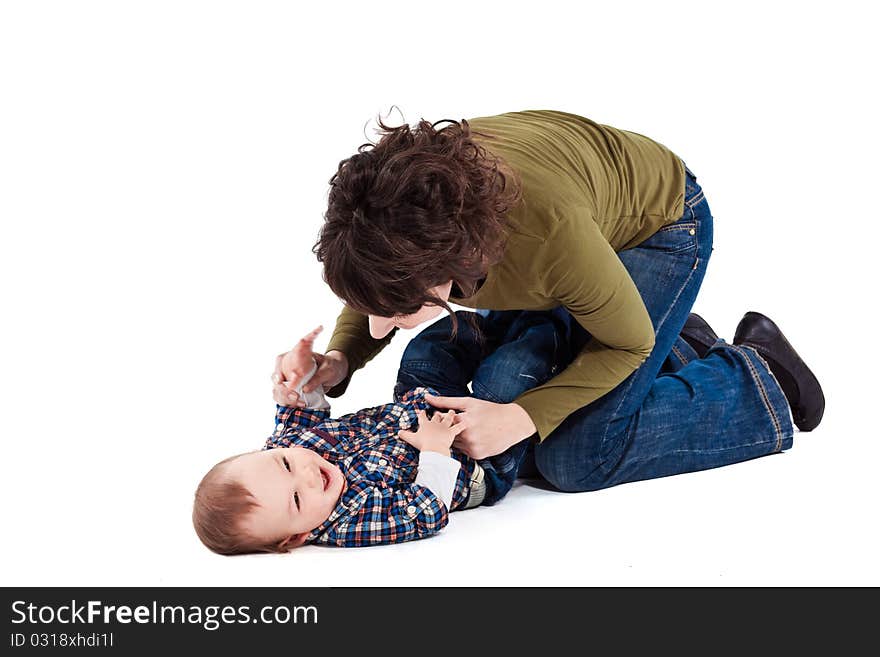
[
  {"x": 438, "y": 473},
  {"x": 314, "y": 399}
]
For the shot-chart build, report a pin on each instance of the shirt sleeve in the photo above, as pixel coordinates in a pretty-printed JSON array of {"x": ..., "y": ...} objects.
[
  {"x": 438, "y": 473},
  {"x": 352, "y": 337},
  {"x": 588, "y": 278},
  {"x": 380, "y": 515},
  {"x": 290, "y": 417}
]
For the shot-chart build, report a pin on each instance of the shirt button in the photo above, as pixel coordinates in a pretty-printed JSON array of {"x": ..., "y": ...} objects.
[
  {"x": 383, "y": 462},
  {"x": 692, "y": 231},
  {"x": 411, "y": 510}
]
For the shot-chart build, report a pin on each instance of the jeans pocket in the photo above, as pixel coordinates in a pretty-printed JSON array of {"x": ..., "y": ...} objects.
[{"x": 680, "y": 237}]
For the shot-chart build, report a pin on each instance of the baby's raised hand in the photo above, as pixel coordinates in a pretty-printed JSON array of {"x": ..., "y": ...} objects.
[
  {"x": 434, "y": 435},
  {"x": 291, "y": 367}
]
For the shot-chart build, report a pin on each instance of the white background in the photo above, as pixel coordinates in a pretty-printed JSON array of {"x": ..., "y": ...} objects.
[{"x": 163, "y": 174}]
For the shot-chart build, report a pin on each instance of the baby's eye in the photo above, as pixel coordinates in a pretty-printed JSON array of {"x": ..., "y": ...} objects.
[
  {"x": 296, "y": 500},
  {"x": 286, "y": 464}
]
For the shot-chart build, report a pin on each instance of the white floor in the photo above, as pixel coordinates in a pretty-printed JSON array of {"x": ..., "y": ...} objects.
[
  {"x": 803, "y": 517},
  {"x": 771, "y": 521}
]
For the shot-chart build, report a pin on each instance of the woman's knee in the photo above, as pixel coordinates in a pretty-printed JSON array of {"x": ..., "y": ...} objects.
[
  {"x": 432, "y": 359},
  {"x": 566, "y": 466},
  {"x": 579, "y": 461},
  {"x": 527, "y": 361},
  {"x": 428, "y": 342},
  {"x": 568, "y": 478},
  {"x": 504, "y": 377}
]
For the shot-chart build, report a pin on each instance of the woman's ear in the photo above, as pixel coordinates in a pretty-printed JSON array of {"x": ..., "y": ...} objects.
[{"x": 293, "y": 541}]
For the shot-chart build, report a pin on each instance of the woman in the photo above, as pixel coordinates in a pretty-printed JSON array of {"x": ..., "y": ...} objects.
[{"x": 539, "y": 210}]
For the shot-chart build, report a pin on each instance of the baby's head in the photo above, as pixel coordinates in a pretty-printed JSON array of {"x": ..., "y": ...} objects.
[{"x": 265, "y": 501}]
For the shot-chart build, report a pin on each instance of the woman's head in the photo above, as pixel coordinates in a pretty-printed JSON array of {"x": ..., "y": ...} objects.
[
  {"x": 408, "y": 215},
  {"x": 382, "y": 326}
]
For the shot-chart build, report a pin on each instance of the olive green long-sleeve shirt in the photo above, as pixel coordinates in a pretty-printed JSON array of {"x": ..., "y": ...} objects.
[{"x": 589, "y": 191}]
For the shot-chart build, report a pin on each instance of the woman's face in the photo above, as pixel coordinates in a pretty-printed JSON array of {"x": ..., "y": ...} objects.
[{"x": 382, "y": 326}]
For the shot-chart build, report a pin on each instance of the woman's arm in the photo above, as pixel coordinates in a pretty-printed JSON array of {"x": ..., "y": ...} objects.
[
  {"x": 588, "y": 278},
  {"x": 582, "y": 272}
]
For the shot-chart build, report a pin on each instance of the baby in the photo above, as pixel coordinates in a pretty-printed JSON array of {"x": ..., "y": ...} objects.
[{"x": 385, "y": 474}]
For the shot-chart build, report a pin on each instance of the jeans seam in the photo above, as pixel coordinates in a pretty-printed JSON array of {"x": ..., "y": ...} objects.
[
  {"x": 765, "y": 398},
  {"x": 769, "y": 371},
  {"x": 680, "y": 355},
  {"x": 420, "y": 364},
  {"x": 677, "y": 226},
  {"x": 689, "y": 225},
  {"x": 691, "y": 202},
  {"x": 716, "y": 450},
  {"x": 704, "y": 451}
]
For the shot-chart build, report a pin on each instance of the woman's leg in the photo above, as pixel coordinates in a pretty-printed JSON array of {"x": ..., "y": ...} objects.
[
  {"x": 673, "y": 414},
  {"x": 680, "y": 355},
  {"x": 533, "y": 348},
  {"x": 521, "y": 350},
  {"x": 518, "y": 351},
  {"x": 432, "y": 360}
]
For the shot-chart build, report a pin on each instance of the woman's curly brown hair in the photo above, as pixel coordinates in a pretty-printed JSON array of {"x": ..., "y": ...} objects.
[{"x": 419, "y": 208}]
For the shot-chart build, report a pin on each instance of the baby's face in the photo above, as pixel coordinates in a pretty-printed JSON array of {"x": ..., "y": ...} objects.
[{"x": 295, "y": 488}]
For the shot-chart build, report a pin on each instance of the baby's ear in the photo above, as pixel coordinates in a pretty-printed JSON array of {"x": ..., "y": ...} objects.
[{"x": 293, "y": 541}]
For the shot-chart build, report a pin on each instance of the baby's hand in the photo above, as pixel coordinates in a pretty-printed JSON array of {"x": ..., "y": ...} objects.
[
  {"x": 291, "y": 367},
  {"x": 434, "y": 435}
]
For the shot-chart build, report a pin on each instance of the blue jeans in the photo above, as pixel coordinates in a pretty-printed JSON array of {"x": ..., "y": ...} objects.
[
  {"x": 519, "y": 350},
  {"x": 676, "y": 413}
]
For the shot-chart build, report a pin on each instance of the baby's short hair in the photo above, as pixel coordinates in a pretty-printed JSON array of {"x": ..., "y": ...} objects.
[{"x": 220, "y": 507}]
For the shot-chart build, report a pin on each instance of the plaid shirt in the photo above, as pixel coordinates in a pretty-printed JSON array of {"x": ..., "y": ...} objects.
[{"x": 381, "y": 502}]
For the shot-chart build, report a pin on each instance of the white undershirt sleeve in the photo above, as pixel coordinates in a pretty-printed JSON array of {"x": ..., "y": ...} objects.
[{"x": 438, "y": 473}]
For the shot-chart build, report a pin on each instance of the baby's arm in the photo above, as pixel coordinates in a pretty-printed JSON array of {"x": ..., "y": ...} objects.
[{"x": 438, "y": 473}]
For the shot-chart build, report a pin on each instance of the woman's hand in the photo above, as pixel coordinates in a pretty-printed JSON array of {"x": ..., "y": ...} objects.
[
  {"x": 488, "y": 428},
  {"x": 292, "y": 366},
  {"x": 434, "y": 435}
]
